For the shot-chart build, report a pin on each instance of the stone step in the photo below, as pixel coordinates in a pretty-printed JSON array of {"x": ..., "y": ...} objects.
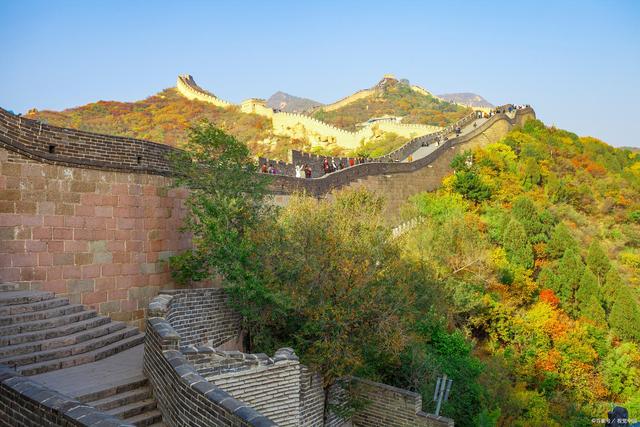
[
  {"x": 133, "y": 409},
  {"x": 71, "y": 350},
  {"x": 110, "y": 388},
  {"x": 147, "y": 419},
  {"x": 122, "y": 399},
  {"x": 8, "y": 310},
  {"x": 79, "y": 359},
  {"x": 57, "y": 331},
  {"x": 16, "y": 319},
  {"x": 61, "y": 341},
  {"x": 7, "y": 287},
  {"x": 23, "y": 297}
]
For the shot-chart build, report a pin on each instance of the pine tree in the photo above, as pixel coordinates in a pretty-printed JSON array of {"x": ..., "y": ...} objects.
[
  {"x": 526, "y": 213},
  {"x": 624, "y": 318},
  {"x": 517, "y": 247},
  {"x": 532, "y": 176},
  {"x": 588, "y": 298},
  {"x": 587, "y": 288},
  {"x": 561, "y": 239},
  {"x": 593, "y": 310},
  {"x": 597, "y": 261},
  {"x": 570, "y": 270},
  {"x": 612, "y": 283}
]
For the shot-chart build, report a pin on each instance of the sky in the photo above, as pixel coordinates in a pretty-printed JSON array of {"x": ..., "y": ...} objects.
[{"x": 577, "y": 63}]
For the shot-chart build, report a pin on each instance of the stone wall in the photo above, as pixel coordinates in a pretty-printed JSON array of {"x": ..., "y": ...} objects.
[
  {"x": 203, "y": 317},
  {"x": 27, "y": 403},
  {"x": 100, "y": 238},
  {"x": 392, "y": 406},
  {"x": 278, "y": 388},
  {"x": 184, "y": 397}
]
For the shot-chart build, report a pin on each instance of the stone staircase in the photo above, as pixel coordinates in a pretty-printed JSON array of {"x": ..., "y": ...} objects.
[
  {"x": 41, "y": 333},
  {"x": 131, "y": 401}
]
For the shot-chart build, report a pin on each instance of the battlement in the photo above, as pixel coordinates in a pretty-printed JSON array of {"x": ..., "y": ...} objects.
[{"x": 188, "y": 88}]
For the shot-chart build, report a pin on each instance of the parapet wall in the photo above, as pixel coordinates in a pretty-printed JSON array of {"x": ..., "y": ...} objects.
[
  {"x": 190, "y": 90},
  {"x": 27, "y": 403},
  {"x": 208, "y": 380}
]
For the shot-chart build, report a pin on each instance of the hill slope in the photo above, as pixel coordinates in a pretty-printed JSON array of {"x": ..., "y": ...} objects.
[
  {"x": 534, "y": 246},
  {"x": 391, "y": 97}
]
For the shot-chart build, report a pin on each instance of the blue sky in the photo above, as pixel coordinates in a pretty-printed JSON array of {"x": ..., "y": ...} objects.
[{"x": 576, "y": 62}]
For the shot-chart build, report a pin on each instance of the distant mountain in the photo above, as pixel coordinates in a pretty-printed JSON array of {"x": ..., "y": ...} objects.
[
  {"x": 467, "y": 98},
  {"x": 291, "y": 104},
  {"x": 632, "y": 149}
]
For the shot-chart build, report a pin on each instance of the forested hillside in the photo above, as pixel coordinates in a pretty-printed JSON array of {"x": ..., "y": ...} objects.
[
  {"x": 394, "y": 98},
  {"x": 534, "y": 247}
]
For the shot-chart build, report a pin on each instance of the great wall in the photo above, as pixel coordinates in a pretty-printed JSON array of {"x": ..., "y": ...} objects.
[
  {"x": 306, "y": 127},
  {"x": 87, "y": 223}
]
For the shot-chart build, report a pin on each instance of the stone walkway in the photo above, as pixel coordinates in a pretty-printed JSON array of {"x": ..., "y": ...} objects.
[
  {"x": 120, "y": 368},
  {"x": 425, "y": 151}
]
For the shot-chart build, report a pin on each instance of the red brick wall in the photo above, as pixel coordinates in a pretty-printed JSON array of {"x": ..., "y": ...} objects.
[{"x": 97, "y": 237}]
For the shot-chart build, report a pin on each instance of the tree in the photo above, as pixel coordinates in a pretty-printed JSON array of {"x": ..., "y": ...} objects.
[
  {"x": 587, "y": 288},
  {"x": 612, "y": 283},
  {"x": 517, "y": 247},
  {"x": 226, "y": 201},
  {"x": 570, "y": 270},
  {"x": 624, "y": 317},
  {"x": 597, "y": 260},
  {"x": 470, "y": 185},
  {"x": 560, "y": 240},
  {"x": 341, "y": 290},
  {"x": 532, "y": 175}
]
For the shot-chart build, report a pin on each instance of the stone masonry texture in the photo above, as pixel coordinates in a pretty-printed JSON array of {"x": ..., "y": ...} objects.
[{"x": 100, "y": 238}]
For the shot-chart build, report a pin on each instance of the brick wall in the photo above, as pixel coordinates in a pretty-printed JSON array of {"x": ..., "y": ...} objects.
[
  {"x": 100, "y": 238},
  {"x": 203, "y": 317},
  {"x": 391, "y": 406},
  {"x": 26, "y": 403},
  {"x": 183, "y": 396}
]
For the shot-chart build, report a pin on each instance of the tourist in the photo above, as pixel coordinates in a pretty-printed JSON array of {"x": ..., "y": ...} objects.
[
  {"x": 325, "y": 166},
  {"x": 351, "y": 162},
  {"x": 410, "y": 158},
  {"x": 307, "y": 171},
  {"x": 334, "y": 167},
  {"x": 264, "y": 169},
  {"x": 341, "y": 165},
  {"x": 299, "y": 171}
]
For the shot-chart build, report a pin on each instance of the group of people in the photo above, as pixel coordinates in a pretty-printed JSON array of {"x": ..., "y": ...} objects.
[
  {"x": 304, "y": 170},
  {"x": 271, "y": 169}
]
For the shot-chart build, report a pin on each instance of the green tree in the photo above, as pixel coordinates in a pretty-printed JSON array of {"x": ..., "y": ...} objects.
[
  {"x": 517, "y": 247},
  {"x": 560, "y": 240},
  {"x": 597, "y": 260},
  {"x": 612, "y": 283},
  {"x": 532, "y": 175},
  {"x": 624, "y": 317},
  {"x": 226, "y": 201},
  {"x": 587, "y": 288},
  {"x": 621, "y": 370},
  {"x": 570, "y": 270},
  {"x": 470, "y": 185}
]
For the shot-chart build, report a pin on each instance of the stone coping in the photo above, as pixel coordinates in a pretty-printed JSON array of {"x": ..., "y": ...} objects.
[
  {"x": 43, "y": 403},
  {"x": 176, "y": 357}
]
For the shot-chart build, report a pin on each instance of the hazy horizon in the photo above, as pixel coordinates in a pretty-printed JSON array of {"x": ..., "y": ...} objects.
[{"x": 576, "y": 63}]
